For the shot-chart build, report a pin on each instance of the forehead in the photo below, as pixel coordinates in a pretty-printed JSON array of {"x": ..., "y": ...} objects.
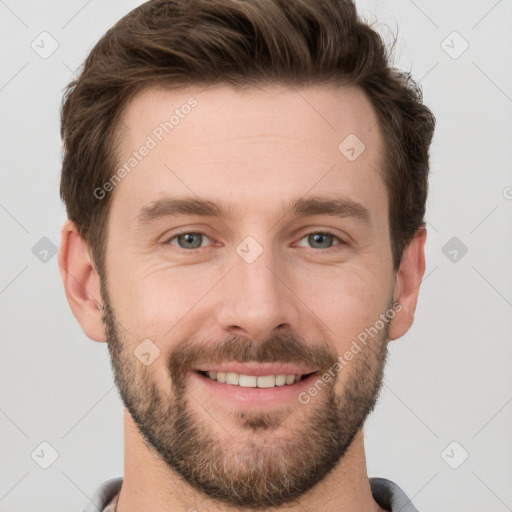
[
  {"x": 258, "y": 144},
  {"x": 311, "y": 114}
]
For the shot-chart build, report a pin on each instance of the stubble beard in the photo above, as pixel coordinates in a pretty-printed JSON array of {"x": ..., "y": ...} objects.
[{"x": 279, "y": 459}]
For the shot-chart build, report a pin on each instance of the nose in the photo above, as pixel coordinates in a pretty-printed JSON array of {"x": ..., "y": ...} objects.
[{"x": 256, "y": 299}]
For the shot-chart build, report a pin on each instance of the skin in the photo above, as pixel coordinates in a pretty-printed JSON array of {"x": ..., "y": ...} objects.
[{"x": 254, "y": 150}]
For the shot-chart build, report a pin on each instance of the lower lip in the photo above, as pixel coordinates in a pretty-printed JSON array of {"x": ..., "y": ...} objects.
[{"x": 256, "y": 397}]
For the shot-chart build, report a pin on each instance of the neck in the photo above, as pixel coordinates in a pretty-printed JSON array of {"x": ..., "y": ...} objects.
[{"x": 149, "y": 484}]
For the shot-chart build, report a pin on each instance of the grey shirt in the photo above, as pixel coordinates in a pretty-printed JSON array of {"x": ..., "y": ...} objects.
[{"x": 385, "y": 492}]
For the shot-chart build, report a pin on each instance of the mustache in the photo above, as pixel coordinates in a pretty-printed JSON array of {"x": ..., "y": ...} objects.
[{"x": 281, "y": 348}]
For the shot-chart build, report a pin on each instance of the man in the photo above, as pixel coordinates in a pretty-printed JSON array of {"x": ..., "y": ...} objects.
[{"x": 245, "y": 184}]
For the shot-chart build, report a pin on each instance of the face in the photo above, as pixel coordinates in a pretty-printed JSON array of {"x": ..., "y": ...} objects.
[{"x": 245, "y": 242}]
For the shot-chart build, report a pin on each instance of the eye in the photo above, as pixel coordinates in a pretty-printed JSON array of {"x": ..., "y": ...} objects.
[
  {"x": 188, "y": 240},
  {"x": 322, "y": 240}
]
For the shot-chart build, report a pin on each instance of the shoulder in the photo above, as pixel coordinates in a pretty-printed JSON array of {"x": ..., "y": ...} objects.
[
  {"x": 104, "y": 495},
  {"x": 390, "y": 496}
]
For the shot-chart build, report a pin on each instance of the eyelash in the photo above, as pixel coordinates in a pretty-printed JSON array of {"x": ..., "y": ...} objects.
[{"x": 328, "y": 233}]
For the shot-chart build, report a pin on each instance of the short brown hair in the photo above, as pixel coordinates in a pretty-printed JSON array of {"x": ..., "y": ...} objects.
[{"x": 175, "y": 43}]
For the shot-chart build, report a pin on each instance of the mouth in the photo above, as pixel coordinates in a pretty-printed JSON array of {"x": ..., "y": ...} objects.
[
  {"x": 254, "y": 381},
  {"x": 247, "y": 391}
]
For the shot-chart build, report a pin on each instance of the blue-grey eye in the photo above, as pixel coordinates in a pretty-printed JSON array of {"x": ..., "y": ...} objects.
[
  {"x": 189, "y": 240},
  {"x": 321, "y": 240}
]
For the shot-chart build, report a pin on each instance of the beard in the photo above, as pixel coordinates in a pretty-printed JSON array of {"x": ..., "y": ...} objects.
[{"x": 273, "y": 458}]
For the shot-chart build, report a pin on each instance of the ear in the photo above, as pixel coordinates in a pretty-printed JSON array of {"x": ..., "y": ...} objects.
[
  {"x": 81, "y": 282},
  {"x": 407, "y": 286}
]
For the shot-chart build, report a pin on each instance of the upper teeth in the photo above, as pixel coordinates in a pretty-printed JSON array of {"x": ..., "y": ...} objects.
[{"x": 253, "y": 381}]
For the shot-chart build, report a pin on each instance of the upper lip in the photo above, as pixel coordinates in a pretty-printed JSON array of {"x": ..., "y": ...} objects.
[{"x": 256, "y": 369}]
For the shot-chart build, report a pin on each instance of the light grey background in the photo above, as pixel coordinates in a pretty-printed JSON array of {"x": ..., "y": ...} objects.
[{"x": 449, "y": 379}]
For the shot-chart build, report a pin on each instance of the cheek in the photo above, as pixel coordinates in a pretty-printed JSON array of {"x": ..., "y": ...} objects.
[
  {"x": 346, "y": 301},
  {"x": 157, "y": 301},
  {"x": 335, "y": 302}
]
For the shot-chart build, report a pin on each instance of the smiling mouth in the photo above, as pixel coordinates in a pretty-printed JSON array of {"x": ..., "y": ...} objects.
[{"x": 254, "y": 381}]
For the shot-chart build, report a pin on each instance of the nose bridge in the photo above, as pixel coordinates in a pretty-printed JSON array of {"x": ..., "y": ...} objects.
[{"x": 255, "y": 300}]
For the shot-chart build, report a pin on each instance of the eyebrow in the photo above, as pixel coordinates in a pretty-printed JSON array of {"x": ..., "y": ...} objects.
[{"x": 305, "y": 206}]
